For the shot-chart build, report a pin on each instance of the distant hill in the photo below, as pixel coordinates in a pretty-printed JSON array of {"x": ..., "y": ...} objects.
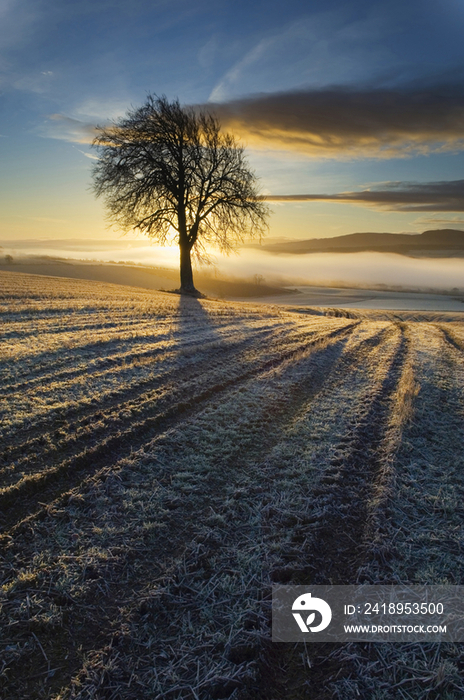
[
  {"x": 138, "y": 276},
  {"x": 431, "y": 241}
]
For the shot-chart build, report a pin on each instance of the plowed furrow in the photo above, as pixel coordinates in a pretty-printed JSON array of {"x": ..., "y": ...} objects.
[
  {"x": 70, "y": 350},
  {"x": 118, "y": 358},
  {"x": 36, "y": 365},
  {"x": 452, "y": 338},
  {"x": 126, "y": 331},
  {"x": 329, "y": 545},
  {"x": 22, "y": 328},
  {"x": 346, "y": 487},
  {"x": 88, "y": 430},
  {"x": 133, "y": 394},
  {"x": 23, "y": 498},
  {"x": 306, "y": 377},
  {"x": 418, "y": 527},
  {"x": 274, "y": 398},
  {"x": 126, "y": 388}
]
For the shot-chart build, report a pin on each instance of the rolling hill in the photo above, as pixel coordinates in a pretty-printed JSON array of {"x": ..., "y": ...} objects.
[{"x": 433, "y": 242}]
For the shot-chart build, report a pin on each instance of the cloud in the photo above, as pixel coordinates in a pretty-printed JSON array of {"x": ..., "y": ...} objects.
[
  {"x": 233, "y": 75},
  {"x": 208, "y": 53},
  {"x": 395, "y": 196},
  {"x": 351, "y": 122},
  {"x": 35, "y": 82},
  {"x": 87, "y": 155},
  {"x": 101, "y": 109},
  {"x": 47, "y": 220},
  {"x": 436, "y": 221},
  {"x": 66, "y": 128},
  {"x": 306, "y": 50}
]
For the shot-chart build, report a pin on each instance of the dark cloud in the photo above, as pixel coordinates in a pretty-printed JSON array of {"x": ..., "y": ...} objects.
[
  {"x": 333, "y": 122},
  {"x": 397, "y": 196}
]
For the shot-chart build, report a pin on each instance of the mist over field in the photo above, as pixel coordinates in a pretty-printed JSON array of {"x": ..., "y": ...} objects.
[
  {"x": 123, "y": 250},
  {"x": 349, "y": 268},
  {"x": 353, "y": 269}
]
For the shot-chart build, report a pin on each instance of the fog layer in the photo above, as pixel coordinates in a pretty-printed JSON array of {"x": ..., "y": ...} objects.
[
  {"x": 344, "y": 269},
  {"x": 348, "y": 269}
]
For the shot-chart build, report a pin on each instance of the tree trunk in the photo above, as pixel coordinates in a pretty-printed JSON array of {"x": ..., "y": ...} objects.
[{"x": 186, "y": 274}]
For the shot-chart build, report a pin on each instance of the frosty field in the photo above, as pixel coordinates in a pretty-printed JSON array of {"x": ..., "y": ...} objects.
[{"x": 165, "y": 460}]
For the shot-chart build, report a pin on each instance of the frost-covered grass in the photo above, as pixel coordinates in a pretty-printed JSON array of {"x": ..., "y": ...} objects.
[{"x": 166, "y": 460}]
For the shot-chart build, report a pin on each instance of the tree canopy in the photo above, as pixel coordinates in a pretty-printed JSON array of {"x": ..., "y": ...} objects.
[{"x": 171, "y": 173}]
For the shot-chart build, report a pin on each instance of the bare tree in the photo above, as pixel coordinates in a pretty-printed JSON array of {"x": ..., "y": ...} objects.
[{"x": 169, "y": 172}]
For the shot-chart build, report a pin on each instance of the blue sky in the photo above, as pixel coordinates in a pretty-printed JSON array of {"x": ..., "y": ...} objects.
[{"x": 330, "y": 97}]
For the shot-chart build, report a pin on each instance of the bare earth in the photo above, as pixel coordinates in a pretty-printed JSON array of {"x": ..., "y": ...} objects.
[{"x": 166, "y": 460}]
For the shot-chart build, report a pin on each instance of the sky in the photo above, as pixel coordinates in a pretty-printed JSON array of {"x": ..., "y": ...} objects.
[{"x": 352, "y": 113}]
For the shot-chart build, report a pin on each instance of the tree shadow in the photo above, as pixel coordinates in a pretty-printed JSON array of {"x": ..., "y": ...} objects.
[{"x": 193, "y": 319}]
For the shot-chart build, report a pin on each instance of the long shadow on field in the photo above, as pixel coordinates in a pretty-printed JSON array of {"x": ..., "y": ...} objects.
[{"x": 192, "y": 315}]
